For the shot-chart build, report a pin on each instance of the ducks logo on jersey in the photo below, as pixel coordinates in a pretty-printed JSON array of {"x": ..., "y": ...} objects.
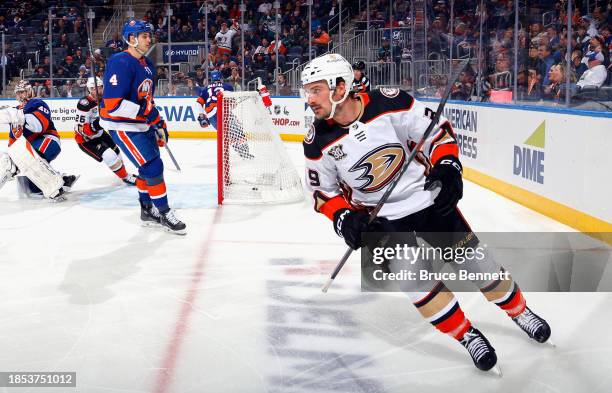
[{"x": 379, "y": 166}]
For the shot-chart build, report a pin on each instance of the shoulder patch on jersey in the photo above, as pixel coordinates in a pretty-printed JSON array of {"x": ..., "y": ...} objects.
[
  {"x": 310, "y": 135},
  {"x": 389, "y": 92},
  {"x": 84, "y": 101},
  {"x": 324, "y": 135}
]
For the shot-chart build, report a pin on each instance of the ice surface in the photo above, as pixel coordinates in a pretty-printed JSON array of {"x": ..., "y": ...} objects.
[{"x": 236, "y": 306}]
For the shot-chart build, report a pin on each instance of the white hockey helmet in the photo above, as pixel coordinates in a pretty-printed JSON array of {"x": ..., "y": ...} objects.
[
  {"x": 329, "y": 68},
  {"x": 24, "y": 86},
  {"x": 91, "y": 83}
]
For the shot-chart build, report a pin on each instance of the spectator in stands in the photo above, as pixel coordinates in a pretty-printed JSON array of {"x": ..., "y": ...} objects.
[
  {"x": 70, "y": 68},
  {"x": 557, "y": 88},
  {"x": 78, "y": 57},
  {"x": 361, "y": 83},
  {"x": 200, "y": 33},
  {"x": 224, "y": 38},
  {"x": 463, "y": 87},
  {"x": 115, "y": 43},
  {"x": 534, "y": 85},
  {"x": 259, "y": 63},
  {"x": 596, "y": 75},
  {"x": 320, "y": 40},
  {"x": 183, "y": 35},
  {"x": 65, "y": 43},
  {"x": 72, "y": 14},
  {"x": 607, "y": 37},
  {"x": 545, "y": 62},
  {"x": 66, "y": 89},
  {"x": 578, "y": 66},
  {"x": 283, "y": 88},
  {"x": 59, "y": 78},
  {"x": 235, "y": 79},
  {"x": 82, "y": 76},
  {"x": 161, "y": 74},
  {"x": 39, "y": 76},
  {"x": 263, "y": 47},
  {"x": 200, "y": 77}
]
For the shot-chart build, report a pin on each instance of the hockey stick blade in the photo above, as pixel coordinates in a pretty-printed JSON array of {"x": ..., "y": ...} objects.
[
  {"x": 178, "y": 168},
  {"x": 398, "y": 176}
]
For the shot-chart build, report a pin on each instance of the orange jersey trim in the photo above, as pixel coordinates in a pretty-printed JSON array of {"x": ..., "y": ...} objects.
[{"x": 330, "y": 207}]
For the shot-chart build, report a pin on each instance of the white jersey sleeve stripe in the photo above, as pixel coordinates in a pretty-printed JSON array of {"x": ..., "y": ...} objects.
[
  {"x": 126, "y": 109},
  {"x": 32, "y": 123}
]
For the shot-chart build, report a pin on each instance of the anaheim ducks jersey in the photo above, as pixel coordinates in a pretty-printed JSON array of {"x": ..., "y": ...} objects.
[
  {"x": 87, "y": 120},
  {"x": 351, "y": 166}
]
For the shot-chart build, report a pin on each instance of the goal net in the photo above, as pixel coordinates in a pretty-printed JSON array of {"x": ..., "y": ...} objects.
[{"x": 252, "y": 163}]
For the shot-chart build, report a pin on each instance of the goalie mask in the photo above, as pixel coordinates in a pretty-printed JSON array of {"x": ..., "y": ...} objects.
[
  {"x": 23, "y": 91},
  {"x": 328, "y": 68}
]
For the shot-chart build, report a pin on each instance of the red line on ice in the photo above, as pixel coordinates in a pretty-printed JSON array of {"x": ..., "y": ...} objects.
[{"x": 164, "y": 376}]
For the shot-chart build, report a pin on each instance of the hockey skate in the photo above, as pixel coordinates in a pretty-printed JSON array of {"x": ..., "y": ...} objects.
[
  {"x": 172, "y": 224},
  {"x": 130, "y": 180},
  {"x": 535, "y": 327},
  {"x": 481, "y": 351},
  {"x": 69, "y": 181},
  {"x": 149, "y": 216}
]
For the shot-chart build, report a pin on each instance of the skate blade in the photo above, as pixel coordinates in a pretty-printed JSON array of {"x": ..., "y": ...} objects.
[
  {"x": 150, "y": 224},
  {"x": 551, "y": 343},
  {"x": 181, "y": 232},
  {"x": 496, "y": 370}
]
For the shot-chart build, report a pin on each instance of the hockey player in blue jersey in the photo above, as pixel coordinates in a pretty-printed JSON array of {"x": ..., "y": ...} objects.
[
  {"x": 38, "y": 129},
  {"x": 128, "y": 112},
  {"x": 208, "y": 111},
  {"x": 208, "y": 100}
]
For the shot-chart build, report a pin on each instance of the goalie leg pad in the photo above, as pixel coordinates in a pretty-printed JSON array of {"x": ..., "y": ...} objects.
[
  {"x": 7, "y": 169},
  {"x": 35, "y": 168}
]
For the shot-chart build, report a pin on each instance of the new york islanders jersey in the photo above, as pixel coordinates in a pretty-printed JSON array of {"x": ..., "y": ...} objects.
[
  {"x": 351, "y": 166},
  {"x": 87, "y": 120},
  {"x": 38, "y": 122},
  {"x": 128, "y": 82},
  {"x": 208, "y": 97}
]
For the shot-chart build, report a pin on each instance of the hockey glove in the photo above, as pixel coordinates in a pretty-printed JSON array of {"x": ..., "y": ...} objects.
[
  {"x": 203, "y": 121},
  {"x": 161, "y": 133},
  {"x": 447, "y": 175},
  {"x": 95, "y": 125},
  {"x": 149, "y": 111},
  {"x": 350, "y": 224}
]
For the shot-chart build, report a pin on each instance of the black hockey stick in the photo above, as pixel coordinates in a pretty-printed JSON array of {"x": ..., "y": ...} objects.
[
  {"x": 178, "y": 168},
  {"x": 398, "y": 176},
  {"x": 93, "y": 62}
]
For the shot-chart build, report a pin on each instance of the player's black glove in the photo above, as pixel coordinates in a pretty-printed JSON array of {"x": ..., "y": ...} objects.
[
  {"x": 161, "y": 133},
  {"x": 149, "y": 111},
  {"x": 447, "y": 175},
  {"x": 203, "y": 121},
  {"x": 350, "y": 224},
  {"x": 95, "y": 125}
]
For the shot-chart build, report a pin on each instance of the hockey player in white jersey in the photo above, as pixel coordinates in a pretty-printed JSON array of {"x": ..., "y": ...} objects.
[
  {"x": 92, "y": 139},
  {"x": 357, "y": 144}
]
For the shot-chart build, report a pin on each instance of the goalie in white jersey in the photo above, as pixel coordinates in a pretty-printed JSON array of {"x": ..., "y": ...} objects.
[{"x": 356, "y": 146}]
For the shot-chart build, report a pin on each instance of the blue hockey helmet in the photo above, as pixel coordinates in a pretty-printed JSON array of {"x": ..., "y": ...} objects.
[
  {"x": 135, "y": 27},
  {"x": 215, "y": 75}
]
